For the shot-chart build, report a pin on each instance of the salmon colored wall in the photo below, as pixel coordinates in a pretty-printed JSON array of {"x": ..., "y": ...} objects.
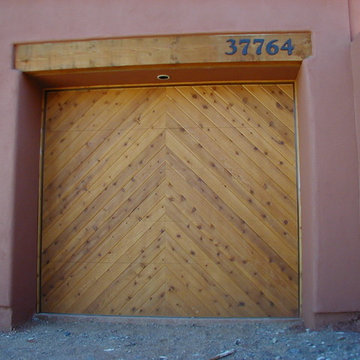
[
  {"x": 328, "y": 148},
  {"x": 354, "y": 12},
  {"x": 355, "y": 59}
]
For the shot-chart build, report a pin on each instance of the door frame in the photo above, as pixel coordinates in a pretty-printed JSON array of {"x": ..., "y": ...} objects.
[{"x": 208, "y": 70}]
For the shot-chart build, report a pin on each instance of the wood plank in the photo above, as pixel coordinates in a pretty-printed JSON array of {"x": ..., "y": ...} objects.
[
  {"x": 281, "y": 109},
  {"x": 143, "y": 288},
  {"x": 182, "y": 287},
  {"x": 81, "y": 110},
  {"x": 108, "y": 183},
  {"x": 231, "y": 250},
  {"x": 100, "y": 175},
  {"x": 205, "y": 270},
  {"x": 96, "y": 280},
  {"x": 262, "y": 121},
  {"x": 247, "y": 159},
  {"x": 248, "y": 189},
  {"x": 106, "y": 234},
  {"x": 288, "y": 89},
  {"x": 80, "y": 270},
  {"x": 235, "y": 219},
  {"x": 103, "y": 158},
  {"x": 136, "y": 112},
  {"x": 79, "y": 130},
  {"x": 231, "y": 280},
  {"x": 284, "y": 249},
  {"x": 285, "y": 98},
  {"x": 252, "y": 139},
  {"x": 117, "y": 226},
  {"x": 122, "y": 293},
  {"x": 228, "y": 189},
  {"x": 156, "y": 303},
  {"x": 177, "y": 49},
  {"x": 230, "y": 232}
]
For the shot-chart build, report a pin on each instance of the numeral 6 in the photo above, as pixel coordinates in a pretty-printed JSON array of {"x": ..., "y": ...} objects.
[{"x": 272, "y": 48}]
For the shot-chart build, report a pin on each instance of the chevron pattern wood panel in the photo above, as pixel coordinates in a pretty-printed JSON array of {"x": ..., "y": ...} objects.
[{"x": 172, "y": 201}]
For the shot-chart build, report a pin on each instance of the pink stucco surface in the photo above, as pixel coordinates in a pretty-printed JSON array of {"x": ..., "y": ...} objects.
[
  {"x": 355, "y": 59},
  {"x": 354, "y": 12},
  {"x": 327, "y": 133}
]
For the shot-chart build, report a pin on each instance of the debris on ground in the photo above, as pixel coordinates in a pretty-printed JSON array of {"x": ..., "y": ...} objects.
[{"x": 224, "y": 354}]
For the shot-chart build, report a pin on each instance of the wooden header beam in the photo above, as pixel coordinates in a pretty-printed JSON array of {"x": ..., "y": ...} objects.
[{"x": 161, "y": 50}]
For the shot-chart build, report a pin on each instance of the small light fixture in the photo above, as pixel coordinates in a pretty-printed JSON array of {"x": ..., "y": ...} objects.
[{"x": 163, "y": 77}]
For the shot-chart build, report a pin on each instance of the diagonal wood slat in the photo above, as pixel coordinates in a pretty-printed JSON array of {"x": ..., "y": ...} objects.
[{"x": 170, "y": 201}]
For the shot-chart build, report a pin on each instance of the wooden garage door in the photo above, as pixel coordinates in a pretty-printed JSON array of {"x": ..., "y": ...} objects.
[{"x": 176, "y": 201}]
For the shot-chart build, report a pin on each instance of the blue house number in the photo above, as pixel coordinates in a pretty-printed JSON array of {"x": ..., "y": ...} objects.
[{"x": 271, "y": 48}]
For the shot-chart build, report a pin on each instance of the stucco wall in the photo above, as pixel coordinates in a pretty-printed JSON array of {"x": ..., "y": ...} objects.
[
  {"x": 354, "y": 14},
  {"x": 355, "y": 59},
  {"x": 328, "y": 148}
]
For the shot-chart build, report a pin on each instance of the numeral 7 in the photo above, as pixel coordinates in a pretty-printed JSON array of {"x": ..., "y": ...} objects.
[
  {"x": 245, "y": 48},
  {"x": 259, "y": 48}
]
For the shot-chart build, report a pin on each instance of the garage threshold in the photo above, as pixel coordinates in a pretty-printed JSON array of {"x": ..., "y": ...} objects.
[{"x": 53, "y": 317}]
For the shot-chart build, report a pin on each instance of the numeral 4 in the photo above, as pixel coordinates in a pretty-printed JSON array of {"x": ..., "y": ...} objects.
[{"x": 288, "y": 47}]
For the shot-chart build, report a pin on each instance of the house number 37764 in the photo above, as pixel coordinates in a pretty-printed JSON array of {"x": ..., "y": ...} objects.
[{"x": 271, "y": 47}]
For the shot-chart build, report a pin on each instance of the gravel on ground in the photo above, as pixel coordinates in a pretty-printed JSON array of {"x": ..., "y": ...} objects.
[{"x": 91, "y": 339}]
